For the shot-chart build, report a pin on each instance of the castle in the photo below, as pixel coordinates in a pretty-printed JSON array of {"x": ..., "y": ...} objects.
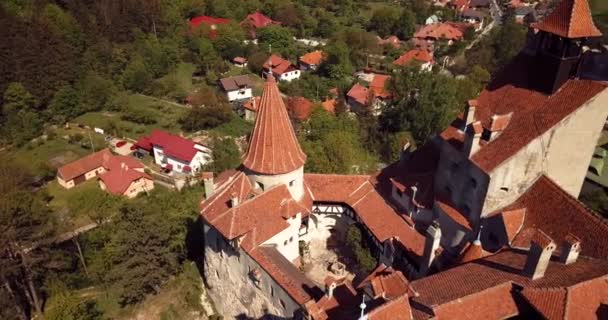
[{"x": 481, "y": 222}]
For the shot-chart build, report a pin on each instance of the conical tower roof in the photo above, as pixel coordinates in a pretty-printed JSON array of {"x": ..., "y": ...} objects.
[
  {"x": 273, "y": 148},
  {"x": 570, "y": 19}
]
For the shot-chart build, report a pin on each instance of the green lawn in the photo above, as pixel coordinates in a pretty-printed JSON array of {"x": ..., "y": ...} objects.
[
  {"x": 60, "y": 203},
  {"x": 165, "y": 116},
  {"x": 57, "y": 150}
]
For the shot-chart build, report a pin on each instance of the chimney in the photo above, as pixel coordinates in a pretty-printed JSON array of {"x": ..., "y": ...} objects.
[
  {"x": 406, "y": 151},
  {"x": 234, "y": 200},
  {"x": 539, "y": 255},
  {"x": 433, "y": 238},
  {"x": 571, "y": 247},
  {"x": 330, "y": 286},
  {"x": 414, "y": 204},
  {"x": 472, "y": 137},
  {"x": 208, "y": 184},
  {"x": 469, "y": 112},
  {"x": 498, "y": 123}
]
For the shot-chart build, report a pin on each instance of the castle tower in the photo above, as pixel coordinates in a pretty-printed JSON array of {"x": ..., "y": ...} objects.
[
  {"x": 274, "y": 155},
  {"x": 557, "y": 43}
]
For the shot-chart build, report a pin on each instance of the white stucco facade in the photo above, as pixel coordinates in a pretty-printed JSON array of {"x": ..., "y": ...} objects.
[
  {"x": 290, "y": 75},
  {"x": 240, "y": 94},
  {"x": 202, "y": 157},
  {"x": 293, "y": 180}
]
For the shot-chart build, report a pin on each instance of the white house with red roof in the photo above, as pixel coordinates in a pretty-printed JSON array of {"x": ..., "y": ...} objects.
[
  {"x": 175, "y": 153},
  {"x": 422, "y": 57},
  {"x": 281, "y": 69}
]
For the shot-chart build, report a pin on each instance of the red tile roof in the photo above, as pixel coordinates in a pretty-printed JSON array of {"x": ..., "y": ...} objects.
[
  {"x": 378, "y": 86},
  {"x": 83, "y": 165},
  {"x": 386, "y": 283},
  {"x": 273, "y": 147},
  {"x": 513, "y": 220},
  {"x": 284, "y": 273},
  {"x": 300, "y": 108},
  {"x": 472, "y": 252},
  {"x": 549, "y": 302},
  {"x": 313, "y": 58},
  {"x": 239, "y": 60},
  {"x": 533, "y": 113},
  {"x": 173, "y": 146},
  {"x": 422, "y": 56},
  {"x": 445, "y": 30},
  {"x": 451, "y": 211},
  {"x": 570, "y": 19},
  {"x": 344, "y": 304},
  {"x": 550, "y": 208},
  {"x": 252, "y": 104},
  {"x": 118, "y": 179},
  {"x": 258, "y": 20},
  {"x": 278, "y": 64},
  {"x": 398, "y": 309},
  {"x": 482, "y": 288},
  {"x": 358, "y": 93},
  {"x": 375, "y": 212}
]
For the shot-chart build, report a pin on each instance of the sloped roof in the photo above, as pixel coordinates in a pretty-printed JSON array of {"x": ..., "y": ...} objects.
[
  {"x": 422, "y": 56},
  {"x": 375, "y": 212},
  {"x": 259, "y": 20},
  {"x": 252, "y": 104},
  {"x": 550, "y": 208},
  {"x": 533, "y": 113},
  {"x": 273, "y": 147},
  {"x": 235, "y": 83},
  {"x": 84, "y": 165},
  {"x": 300, "y": 108},
  {"x": 483, "y": 287},
  {"x": 378, "y": 86},
  {"x": 173, "y": 146},
  {"x": 313, "y": 58},
  {"x": 398, "y": 309},
  {"x": 359, "y": 93},
  {"x": 329, "y": 105},
  {"x": 444, "y": 30},
  {"x": 118, "y": 179},
  {"x": 278, "y": 64},
  {"x": 549, "y": 302},
  {"x": 570, "y": 19}
]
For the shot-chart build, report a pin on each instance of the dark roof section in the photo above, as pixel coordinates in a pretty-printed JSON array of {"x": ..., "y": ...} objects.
[{"x": 235, "y": 83}]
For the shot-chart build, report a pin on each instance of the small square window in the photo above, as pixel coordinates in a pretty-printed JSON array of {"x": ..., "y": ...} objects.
[
  {"x": 292, "y": 183},
  {"x": 290, "y": 239},
  {"x": 285, "y": 243}
]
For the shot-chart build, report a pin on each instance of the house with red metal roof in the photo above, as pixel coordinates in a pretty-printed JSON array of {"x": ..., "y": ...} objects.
[
  {"x": 481, "y": 222},
  {"x": 255, "y": 21},
  {"x": 281, "y": 69},
  {"x": 207, "y": 24},
  {"x": 174, "y": 153}
]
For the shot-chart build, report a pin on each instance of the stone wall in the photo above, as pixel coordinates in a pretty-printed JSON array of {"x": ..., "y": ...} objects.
[{"x": 228, "y": 275}]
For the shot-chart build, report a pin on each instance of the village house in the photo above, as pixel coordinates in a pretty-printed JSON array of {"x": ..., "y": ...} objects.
[
  {"x": 445, "y": 31},
  {"x": 240, "y": 62},
  {"x": 281, "y": 69},
  {"x": 311, "y": 60},
  {"x": 256, "y": 21},
  {"x": 250, "y": 108},
  {"x": 421, "y": 57},
  {"x": 482, "y": 222},
  {"x": 237, "y": 88},
  {"x": 299, "y": 108},
  {"x": 119, "y": 175},
  {"x": 174, "y": 153},
  {"x": 360, "y": 98},
  {"x": 475, "y": 18}
]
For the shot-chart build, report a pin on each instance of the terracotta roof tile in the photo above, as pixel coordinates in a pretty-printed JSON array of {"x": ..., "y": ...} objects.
[
  {"x": 454, "y": 214},
  {"x": 422, "y": 56},
  {"x": 379, "y": 84},
  {"x": 472, "y": 279},
  {"x": 329, "y": 105},
  {"x": 313, "y": 58},
  {"x": 492, "y": 303},
  {"x": 570, "y": 19},
  {"x": 445, "y": 30},
  {"x": 273, "y": 147},
  {"x": 278, "y": 64},
  {"x": 259, "y": 20},
  {"x": 359, "y": 93},
  {"x": 344, "y": 304},
  {"x": 118, "y": 179},
  {"x": 84, "y": 165},
  {"x": 374, "y": 211},
  {"x": 472, "y": 252},
  {"x": 513, "y": 220},
  {"x": 398, "y": 309},
  {"x": 300, "y": 108},
  {"x": 284, "y": 273},
  {"x": 550, "y": 208},
  {"x": 549, "y": 302},
  {"x": 252, "y": 104},
  {"x": 534, "y": 113}
]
